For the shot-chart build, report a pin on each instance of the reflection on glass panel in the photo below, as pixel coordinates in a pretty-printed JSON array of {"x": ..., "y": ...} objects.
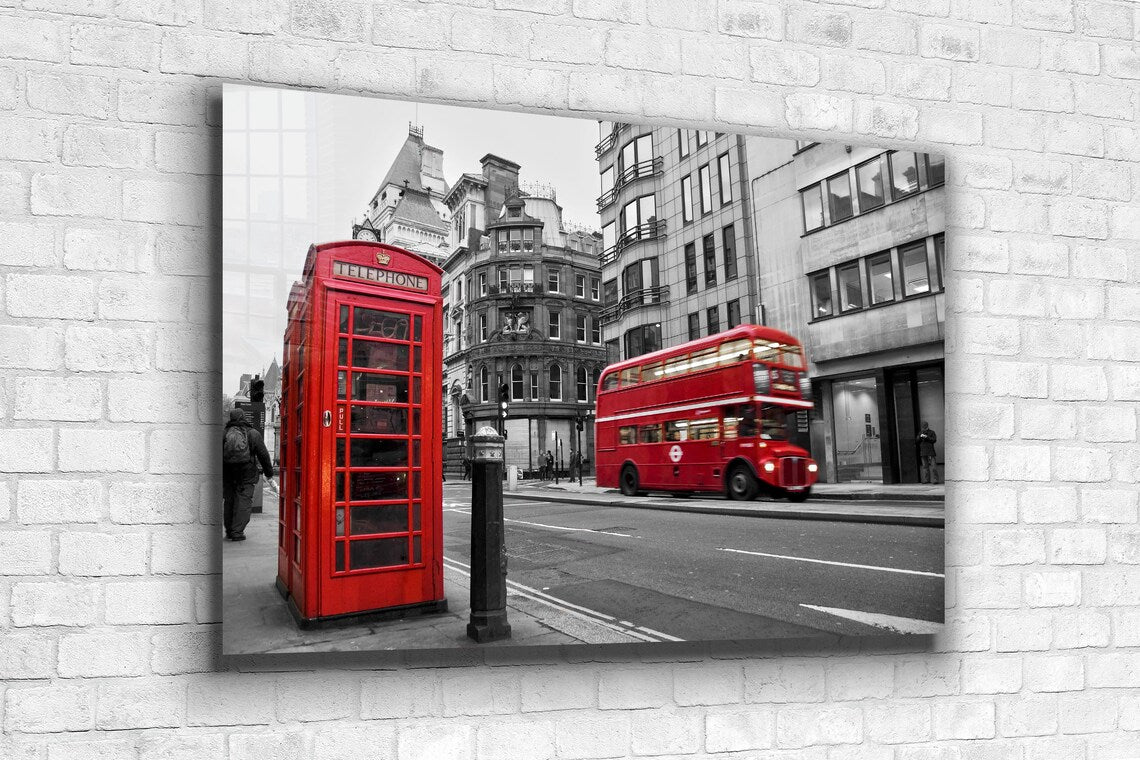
[
  {"x": 856, "y": 417},
  {"x": 264, "y": 154},
  {"x": 417, "y": 328},
  {"x": 264, "y": 199},
  {"x": 881, "y": 281},
  {"x": 371, "y": 355},
  {"x": 391, "y": 389},
  {"x": 839, "y": 197},
  {"x": 378, "y": 552},
  {"x": 340, "y": 521},
  {"x": 416, "y": 484},
  {"x": 235, "y": 193},
  {"x": 415, "y": 421},
  {"x": 916, "y": 277},
  {"x": 234, "y": 153},
  {"x": 416, "y": 383},
  {"x": 263, "y": 105},
  {"x": 417, "y": 360},
  {"x": 341, "y": 383},
  {"x": 416, "y": 452},
  {"x": 392, "y": 518},
  {"x": 935, "y": 170},
  {"x": 234, "y": 110},
  {"x": 340, "y": 486},
  {"x": 342, "y": 353},
  {"x": 380, "y": 420},
  {"x": 904, "y": 174},
  {"x": 813, "y": 208},
  {"x": 377, "y": 486},
  {"x": 380, "y": 324},
  {"x": 931, "y": 405},
  {"x": 344, "y": 319},
  {"x": 821, "y": 295},
  {"x": 295, "y": 195},
  {"x": 379, "y": 452},
  {"x": 294, "y": 153},
  {"x": 870, "y": 179}
]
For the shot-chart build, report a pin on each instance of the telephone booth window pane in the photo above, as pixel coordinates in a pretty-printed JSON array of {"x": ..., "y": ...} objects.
[
  {"x": 380, "y": 324},
  {"x": 389, "y": 389},
  {"x": 340, "y": 521},
  {"x": 416, "y": 391},
  {"x": 340, "y": 486},
  {"x": 378, "y": 486},
  {"x": 379, "y": 452},
  {"x": 417, "y": 360},
  {"x": 370, "y": 355},
  {"x": 340, "y": 452},
  {"x": 415, "y": 485},
  {"x": 378, "y": 552},
  {"x": 342, "y": 354},
  {"x": 416, "y": 453},
  {"x": 417, "y": 555},
  {"x": 391, "y": 518},
  {"x": 340, "y": 556},
  {"x": 341, "y": 382},
  {"x": 344, "y": 319},
  {"x": 416, "y": 516},
  {"x": 417, "y": 328},
  {"x": 296, "y": 549},
  {"x": 415, "y": 421},
  {"x": 380, "y": 420}
]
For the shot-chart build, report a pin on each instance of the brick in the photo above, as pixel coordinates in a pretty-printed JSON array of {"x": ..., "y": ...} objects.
[
  {"x": 665, "y": 13},
  {"x": 96, "y": 749},
  {"x": 142, "y": 298},
  {"x": 141, "y": 703},
  {"x": 777, "y": 65},
  {"x": 344, "y": 741},
  {"x": 775, "y": 682},
  {"x": 1103, "y": 180},
  {"x": 1022, "y": 379},
  {"x": 27, "y": 656},
  {"x": 707, "y": 684},
  {"x": 1115, "y": 670},
  {"x": 885, "y": 34},
  {"x": 648, "y": 50},
  {"x": 889, "y": 120},
  {"x": 1081, "y": 629},
  {"x": 867, "y": 679},
  {"x": 26, "y": 450},
  {"x": 96, "y": 145},
  {"x": 58, "y": 501},
  {"x": 26, "y": 553},
  {"x": 1124, "y": 545},
  {"x": 1108, "y": 424},
  {"x": 380, "y": 72},
  {"x": 819, "y": 28},
  {"x": 66, "y": 604},
  {"x": 745, "y": 18},
  {"x": 749, "y": 106},
  {"x": 806, "y": 727},
  {"x": 1119, "y": 343},
  {"x": 1053, "y": 339},
  {"x": 668, "y": 96},
  {"x": 10, "y": 92},
  {"x": 531, "y": 86},
  {"x": 328, "y": 20},
  {"x": 1029, "y": 716},
  {"x": 1121, "y": 62},
  {"x": 634, "y": 688},
  {"x": 900, "y": 723},
  {"x": 1053, "y": 672},
  {"x": 988, "y": 172},
  {"x": 121, "y": 47},
  {"x": 739, "y": 731},
  {"x": 102, "y": 554},
  {"x": 30, "y": 139},
  {"x": 452, "y": 80},
  {"x": 1082, "y": 714},
  {"x": 952, "y": 43},
  {"x": 14, "y": 191},
  {"x": 986, "y": 504},
  {"x": 27, "y": 245},
  {"x": 75, "y": 194},
  {"x": 117, "y": 250},
  {"x": 1052, "y": 589},
  {"x": 42, "y": 295},
  {"x": 50, "y": 398},
  {"x": 88, "y": 450},
  {"x": 665, "y": 733},
  {"x": 1047, "y": 422},
  {"x": 204, "y": 55},
  {"x": 49, "y": 709},
  {"x": 983, "y": 86},
  {"x": 983, "y": 11},
  {"x": 230, "y": 698},
  {"x": 1044, "y": 93},
  {"x": 33, "y": 38},
  {"x": 823, "y": 112},
  {"x": 1120, "y": 143},
  {"x": 987, "y": 588},
  {"x": 1078, "y": 383},
  {"x": 1048, "y": 177},
  {"x": 1015, "y": 546},
  {"x": 991, "y": 675},
  {"x": 851, "y": 74},
  {"x": 936, "y": 676},
  {"x": 1109, "y": 506},
  {"x": 100, "y": 654},
  {"x": 293, "y": 64},
  {"x": 71, "y": 94},
  {"x": 165, "y": 12},
  {"x": 425, "y": 739},
  {"x": 181, "y": 651},
  {"x": 104, "y": 349},
  {"x": 153, "y": 503},
  {"x": 1024, "y": 631},
  {"x": 172, "y": 452},
  {"x": 340, "y": 694},
  {"x": 1082, "y": 464},
  {"x": 152, "y": 102},
  {"x": 965, "y": 720},
  {"x": 1074, "y": 136},
  {"x": 156, "y": 602},
  {"x": 625, "y": 12}
]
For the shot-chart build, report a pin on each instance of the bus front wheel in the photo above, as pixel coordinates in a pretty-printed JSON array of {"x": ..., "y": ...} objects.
[
  {"x": 742, "y": 485},
  {"x": 629, "y": 480}
]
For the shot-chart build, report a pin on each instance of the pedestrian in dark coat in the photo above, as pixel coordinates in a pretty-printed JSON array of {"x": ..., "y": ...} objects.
[
  {"x": 927, "y": 455},
  {"x": 240, "y": 477}
]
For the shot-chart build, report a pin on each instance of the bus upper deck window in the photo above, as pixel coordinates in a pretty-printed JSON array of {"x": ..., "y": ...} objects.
[
  {"x": 629, "y": 376},
  {"x": 610, "y": 381},
  {"x": 653, "y": 371}
]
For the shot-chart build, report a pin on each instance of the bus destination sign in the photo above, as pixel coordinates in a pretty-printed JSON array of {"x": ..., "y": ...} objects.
[{"x": 382, "y": 276}]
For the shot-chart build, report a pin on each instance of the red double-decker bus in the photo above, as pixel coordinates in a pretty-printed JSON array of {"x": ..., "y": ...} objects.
[{"x": 709, "y": 415}]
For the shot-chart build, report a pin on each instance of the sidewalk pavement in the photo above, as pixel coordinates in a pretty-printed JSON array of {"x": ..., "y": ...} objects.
[
  {"x": 892, "y": 504},
  {"x": 256, "y": 620}
]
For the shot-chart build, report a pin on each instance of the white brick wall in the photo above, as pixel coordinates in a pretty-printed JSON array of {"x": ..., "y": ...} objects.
[{"x": 107, "y": 569}]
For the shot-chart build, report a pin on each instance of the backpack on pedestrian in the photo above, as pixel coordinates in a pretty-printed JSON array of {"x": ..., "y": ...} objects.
[{"x": 235, "y": 446}]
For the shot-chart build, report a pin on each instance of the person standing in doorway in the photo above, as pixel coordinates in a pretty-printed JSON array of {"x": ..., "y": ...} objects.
[
  {"x": 244, "y": 458},
  {"x": 927, "y": 456}
]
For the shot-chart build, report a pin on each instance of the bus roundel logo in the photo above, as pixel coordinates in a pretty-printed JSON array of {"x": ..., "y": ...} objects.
[{"x": 675, "y": 453}]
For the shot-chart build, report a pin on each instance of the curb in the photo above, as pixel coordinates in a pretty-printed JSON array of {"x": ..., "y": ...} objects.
[
  {"x": 924, "y": 521},
  {"x": 848, "y": 496}
]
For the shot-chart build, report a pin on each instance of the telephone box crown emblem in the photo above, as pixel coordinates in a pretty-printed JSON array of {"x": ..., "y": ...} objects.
[{"x": 382, "y": 259}]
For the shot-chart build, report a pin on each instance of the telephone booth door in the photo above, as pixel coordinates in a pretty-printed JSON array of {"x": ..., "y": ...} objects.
[{"x": 369, "y": 525}]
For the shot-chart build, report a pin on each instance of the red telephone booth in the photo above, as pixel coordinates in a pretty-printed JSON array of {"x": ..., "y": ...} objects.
[{"x": 361, "y": 523}]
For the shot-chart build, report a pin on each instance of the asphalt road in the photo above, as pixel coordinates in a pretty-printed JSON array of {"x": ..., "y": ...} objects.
[{"x": 677, "y": 575}]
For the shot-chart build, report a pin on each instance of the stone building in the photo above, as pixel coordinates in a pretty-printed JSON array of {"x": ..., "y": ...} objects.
[{"x": 522, "y": 299}]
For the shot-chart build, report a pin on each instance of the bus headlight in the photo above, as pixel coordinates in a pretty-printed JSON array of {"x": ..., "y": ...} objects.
[
  {"x": 769, "y": 467},
  {"x": 813, "y": 467}
]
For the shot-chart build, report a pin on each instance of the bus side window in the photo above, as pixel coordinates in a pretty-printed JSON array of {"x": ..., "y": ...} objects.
[
  {"x": 627, "y": 434},
  {"x": 676, "y": 366},
  {"x": 702, "y": 360},
  {"x": 650, "y": 433},
  {"x": 733, "y": 351},
  {"x": 610, "y": 381},
  {"x": 731, "y": 421},
  {"x": 651, "y": 372},
  {"x": 705, "y": 429},
  {"x": 629, "y": 376},
  {"x": 675, "y": 430}
]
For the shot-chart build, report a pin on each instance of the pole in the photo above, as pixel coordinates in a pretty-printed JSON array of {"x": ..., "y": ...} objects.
[
  {"x": 555, "y": 464},
  {"x": 488, "y": 620},
  {"x": 578, "y": 430}
]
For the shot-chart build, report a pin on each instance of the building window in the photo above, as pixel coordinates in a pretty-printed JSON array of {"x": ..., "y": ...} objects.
[
  {"x": 691, "y": 268},
  {"x": 712, "y": 314},
  {"x": 484, "y": 385},
  {"x": 610, "y": 295},
  {"x": 482, "y": 327},
  {"x": 609, "y": 238},
  {"x": 595, "y": 288},
  {"x": 641, "y": 278},
  {"x": 553, "y": 328},
  {"x": 580, "y": 285},
  {"x": 596, "y": 331},
  {"x": 813, "y": 208},
  {"x": 607, "y": 181},
  {"x": 504, "y": 280},
  {"x": 935, "y": 170},
  {"x": 904, "y": 174},
  {"x": 821, "y": 295},
  {"x": 516, "y": 383},
  {"x": 555, "y": 382},
  {"x": 687, "y": 198},
  {"x": 710, "y": 260},
  {"x": 869, "y": 178},
  {"x": 534, "y": 386},
  {"x": 642, "y": 340},
  {"x": 734, "y": 312},
  {"x": 682, "y": 143},
  {"x": 694, "y": 325},
  {"x": 637, "y": 213},
  {"x": 880, "y": 279},
  {"x": 706, "y": 189},
  {"x": 725, "y": 177},
  {"x": 728, "y": 238},
  {"x": 702, "y": 138},
  {"x": 580, "y": 327},
  {"x": 459, "y": 291},
  {"x": 583, "y": 385},
  {"x": 939, "y": 253},
  {"x": 839, "y": 197},
  {"x": 553, "y": 280},
  {"x": 634, "y": 152},
  {"x": 850, "y": 289},
  {"x": 482, "y": 283},
  {"x": 915, "y": 273}
]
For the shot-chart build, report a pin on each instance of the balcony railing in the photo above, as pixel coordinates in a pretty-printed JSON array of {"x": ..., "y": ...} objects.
[
  {"x": 635, "y": 300},
  {"x": 527, "y": 288},
  {"x": 608, "y": 141},
  {"x": 640, "y": 170},
  {"x": 647, "y": 231}
]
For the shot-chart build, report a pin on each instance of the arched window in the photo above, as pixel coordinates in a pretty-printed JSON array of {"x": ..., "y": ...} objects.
[
  {"x": 583, "y": 385},
  {"x": 555, "y": 382},
  {"x": 516, "y": 383},
  {"x": 484, "y": 385}
]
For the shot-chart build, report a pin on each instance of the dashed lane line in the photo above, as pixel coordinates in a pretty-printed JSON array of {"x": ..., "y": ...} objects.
[{"x": 832, "y": 562}]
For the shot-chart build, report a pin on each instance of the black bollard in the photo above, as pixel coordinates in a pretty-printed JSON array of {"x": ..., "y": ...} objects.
[{"x": 488, "y": 550}]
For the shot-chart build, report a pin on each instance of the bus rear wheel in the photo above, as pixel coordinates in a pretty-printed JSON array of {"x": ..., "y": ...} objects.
[
  {"x": 629, "y": 480},
  {"x": 742, "y": 485}
]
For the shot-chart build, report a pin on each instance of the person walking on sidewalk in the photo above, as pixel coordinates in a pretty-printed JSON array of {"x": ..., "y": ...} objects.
[
  {"x": 926, "y": 454},
  {"x": 244, "y": 458},
  {"x": 549, "y": 465}
]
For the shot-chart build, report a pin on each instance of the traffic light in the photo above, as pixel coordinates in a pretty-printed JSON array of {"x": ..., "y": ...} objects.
[
  {"x": 579, "y": 424},
  {"x": 504, "y": 399}
]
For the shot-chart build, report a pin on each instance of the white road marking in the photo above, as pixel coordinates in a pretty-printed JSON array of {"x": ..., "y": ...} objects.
[
  {"x": 879, "y": 620},
  {"x": 552, "y": 527},
  {"x": 838, "y": 564},
  {"x": 608, "y": 621}
]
